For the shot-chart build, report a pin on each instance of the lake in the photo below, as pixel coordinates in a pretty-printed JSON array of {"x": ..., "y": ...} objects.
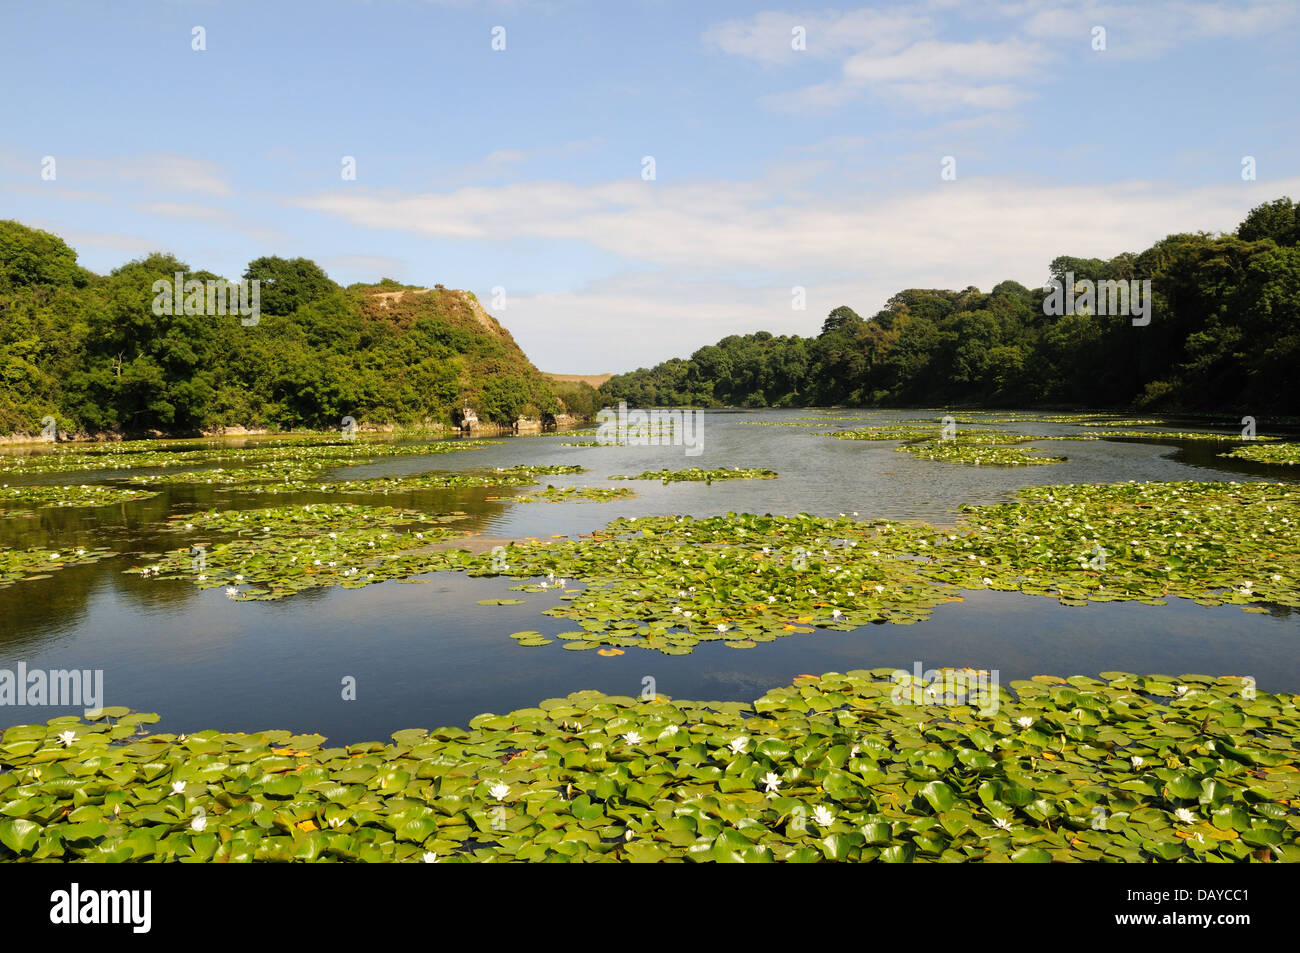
[{"x": 426, "y": 655}]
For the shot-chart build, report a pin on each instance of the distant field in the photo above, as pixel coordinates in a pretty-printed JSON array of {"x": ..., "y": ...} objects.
[{"x": 595, "y": 380}]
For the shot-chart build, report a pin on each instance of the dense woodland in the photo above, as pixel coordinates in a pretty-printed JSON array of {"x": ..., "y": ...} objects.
[
  {"x": 89, "y": 351},
  {"x": 1224, "y": 334}
]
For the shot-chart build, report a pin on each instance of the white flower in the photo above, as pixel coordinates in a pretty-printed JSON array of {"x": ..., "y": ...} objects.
[
  {"x": 231, "y": 591},
  {"x": 499, "y": 790},
  {"x": 429, "y": 857},
  {"x": 677, "y": 610},
  {"x": 334, "y": 535},
  {"x": 836, "y": 613},
  {"x": 82, "y": 552},
  {"x": 1137, "y": 761},
  {"x": 772, "y": 782},
  {"x": 1002, "y": 822},
  {"x": 1024, "y": 721},
  {"x": 561, "y": 583},
  {"x": 823, "y": 816},
  {"x": 632, "y": 738},
  {"x": 880, "y": 588},
  {"x": 178, "y": 787},
  {"x": 737, "y": 745},
  {"x": 68, "y": 737},
  {"x": 1184, "y": 816},
  {"x": 854, "y": 751},
  {"x": 199, "y": 823},
  {"x": 1180, "y": 690},
  {"x": 721, "y": 627},
  {"x": 54, "y": 555},
  {"x": 239, "y": 579},
  {"x": 771, "y": 599},
  {"x": 988, "y": 581}
]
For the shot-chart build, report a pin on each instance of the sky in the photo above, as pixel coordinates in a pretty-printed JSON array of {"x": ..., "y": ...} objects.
[{"x": 624, "y": 182}]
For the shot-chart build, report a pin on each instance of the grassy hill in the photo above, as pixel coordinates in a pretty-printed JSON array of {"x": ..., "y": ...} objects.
[{"x": 90, "y": 351}]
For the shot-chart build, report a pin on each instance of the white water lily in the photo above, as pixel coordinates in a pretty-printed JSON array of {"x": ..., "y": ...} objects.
[
  {"x": 199, "y": 823},
  {"x": 880, "y": 588},
  {"x": 823, "y": 816},
  {"x": 231, "y": 591},
  {"x": 1184, "y": 816},
  {"x": 429, "y": 857},
  {"x": 1137, "y": 761},
  {"x": 67, "y": 737},
  {"x": 1180, "y": 690},
  {"x": 1002, "y": 823},
  {"x": 737, "y": 745},
  {"x": 772, "y": 782},
  {"x": 1024, "y": 721},
  {"x": 722, "y": 627},
  {"x": 178, "y": 787},
  {"x": 632, "y": 738},
  {"x": 499, "y": 790},
  {"x": 988, "y": 581},
  {"x": 836, "y": 613},
  {"x": 771, "y": 599},
  {"x": 54, "y": 555}
]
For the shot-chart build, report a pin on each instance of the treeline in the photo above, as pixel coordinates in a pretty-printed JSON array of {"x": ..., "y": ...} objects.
[
  {"x": 89, "y": 351},
  {"x": 1224, "y": 332}
]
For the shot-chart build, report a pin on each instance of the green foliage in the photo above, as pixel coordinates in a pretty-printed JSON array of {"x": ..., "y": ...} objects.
[
  {"x": 89, "y": 351},
  {"x": 1224, "y": 331}
]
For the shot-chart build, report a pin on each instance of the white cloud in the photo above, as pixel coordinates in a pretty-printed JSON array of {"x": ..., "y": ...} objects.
[{"x": 714, "y": 258}]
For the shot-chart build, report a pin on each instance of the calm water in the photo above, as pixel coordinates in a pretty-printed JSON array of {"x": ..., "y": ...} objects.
[{"x": 427, "y": 655}]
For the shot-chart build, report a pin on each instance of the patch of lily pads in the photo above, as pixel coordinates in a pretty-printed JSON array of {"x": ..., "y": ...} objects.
[
  {"x": 976, "y": 454},
  {"x": 576, "y": 494},
  {"x": 26, "y": 565},
  {"x": 1286, "y": 454},
  {"x": 859, "y": 766},
  {"x": 282, "y": 550},
  {"x": 698, "y": 475},
  {"x": 44, "y": 496}
]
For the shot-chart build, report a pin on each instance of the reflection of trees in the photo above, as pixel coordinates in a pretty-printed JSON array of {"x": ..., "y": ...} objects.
[{"x": 33, "y": 612}]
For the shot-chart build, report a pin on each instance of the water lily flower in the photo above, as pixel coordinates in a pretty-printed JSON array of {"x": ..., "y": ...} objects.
[
  {"x": 836, "y": 613},
  {"x": 677, "y": 610},
  {"x": 231, "y": 591},
  {"x": 988, "y": 581},
  {"x": 737, "y": 745},
  {"x": 178, "y": 787},
  {"x": 199, "y": 823},
  {"x": 1180, "y": 690},
  {"x": 67, "y": 737},
  {"x": 499, "y": 790},
  {"x": 722, "y": 627},
  {"x": 54, "y": 555},
  {"x": 823, "y": 816},
  {"x": 1137, "y": 761},
  {"x": 1002, "y": 823},
  {"x": 880, "y": 588},
  {"x": 1185, "y": 816},
  {"x": 1024, "y": 721},
  {"x": 632, "y": 738},
  {"x": 82, "y": 552},
  {"x": 772, "y": 782},
  {"x": 429, "y": 857}
]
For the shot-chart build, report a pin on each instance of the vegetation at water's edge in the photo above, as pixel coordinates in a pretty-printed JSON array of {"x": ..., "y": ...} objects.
[
  {"x": 1224, "y": 332},
  {"x": 1278, "y": 453},
  {"x": 89, "y": 351},
  {"x": 859, "y": 766}
]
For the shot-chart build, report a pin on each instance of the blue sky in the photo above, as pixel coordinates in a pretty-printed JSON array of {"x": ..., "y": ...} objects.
[{"x": 521, "y": 169}]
